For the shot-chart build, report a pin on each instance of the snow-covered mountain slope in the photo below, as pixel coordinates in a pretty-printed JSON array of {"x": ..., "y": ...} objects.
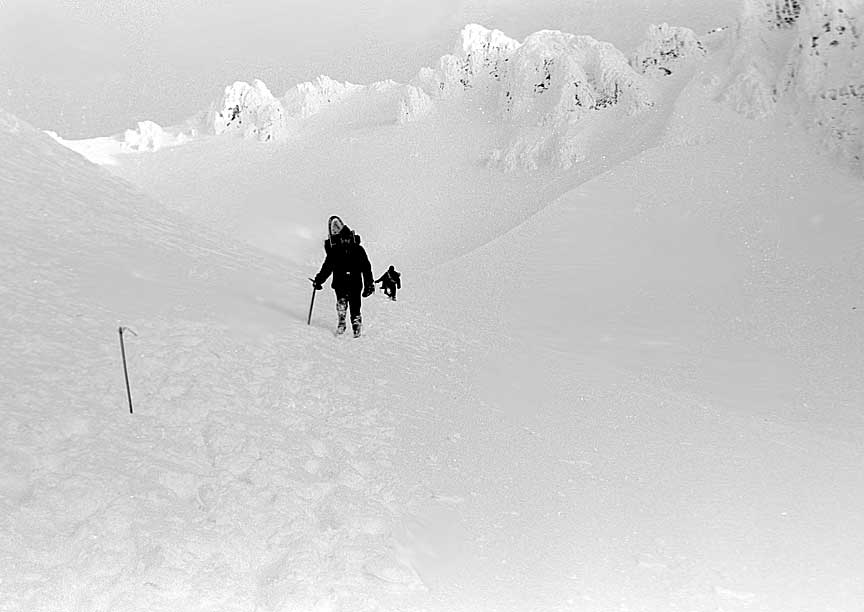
[
  {"x": 632, "y": 385},
  {"x": 260, "y": 469},
  {"x": 673, "y": 351}
]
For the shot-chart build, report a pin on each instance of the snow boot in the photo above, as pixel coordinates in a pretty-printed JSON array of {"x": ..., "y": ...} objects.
[
  {"x": 356, "y": 324},
  {"x": 340, "y": 329}
]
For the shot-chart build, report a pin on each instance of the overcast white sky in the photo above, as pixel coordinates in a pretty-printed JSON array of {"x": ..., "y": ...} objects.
[{"x": 95, "y": 67}]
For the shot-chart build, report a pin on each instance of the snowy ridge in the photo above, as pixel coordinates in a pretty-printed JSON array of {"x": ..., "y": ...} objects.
[
  {"x": 542, "y": 87},
  {"x": 307, "y": 99},
  {"x": 253, "y": 112},
  {"x": 807, "y": 52}
]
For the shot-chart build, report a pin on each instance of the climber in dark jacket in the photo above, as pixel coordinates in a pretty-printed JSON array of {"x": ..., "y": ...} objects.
[
  {"x": 390, "y": 282},
  {"x": 352, "y": 277}
]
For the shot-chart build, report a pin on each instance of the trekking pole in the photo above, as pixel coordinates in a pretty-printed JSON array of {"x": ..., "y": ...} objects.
[
  {"x": 125, "y": 370},
  {"x": 312, "y": 303}
]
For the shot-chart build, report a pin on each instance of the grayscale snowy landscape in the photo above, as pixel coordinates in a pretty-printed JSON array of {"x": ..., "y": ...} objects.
[{"x": 625, "y": 370}]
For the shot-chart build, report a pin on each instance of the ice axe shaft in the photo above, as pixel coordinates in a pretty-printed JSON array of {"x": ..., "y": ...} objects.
[
  {"x": 312, "y": 303},
  {"x": 121, "y": 329}
]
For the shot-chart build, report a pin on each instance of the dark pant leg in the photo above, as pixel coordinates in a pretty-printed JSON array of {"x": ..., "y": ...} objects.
[{"x": 354, "y": 302}]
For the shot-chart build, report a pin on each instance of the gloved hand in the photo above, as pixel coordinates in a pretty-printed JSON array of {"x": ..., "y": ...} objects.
[
  {"x": 369, "y": 290},
  {"x": 318, "y": 286}
]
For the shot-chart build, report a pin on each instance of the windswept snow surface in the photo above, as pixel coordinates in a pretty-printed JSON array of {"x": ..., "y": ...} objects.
[{"x": 635, "y": 385}]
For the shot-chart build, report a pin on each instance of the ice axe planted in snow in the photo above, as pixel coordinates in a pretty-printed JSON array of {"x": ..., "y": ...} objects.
[{"x": 121, "y": 329}]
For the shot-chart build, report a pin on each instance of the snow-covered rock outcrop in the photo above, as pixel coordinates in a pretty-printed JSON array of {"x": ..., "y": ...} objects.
[
  {"x": 761, "y": 40},
  {"x": 479, "y": 60},
  {"x": 554, "y": 76},
  {"x": 825, "y": 75},
  {"x": 664, "y": 48},
  {"x": 250, "y": 110},
  {"x": 549, "y": 77},
  {"x": 773, "y": 14},
  {"x": 809, "y": 53},
  {"x": 541, "y": 86}
]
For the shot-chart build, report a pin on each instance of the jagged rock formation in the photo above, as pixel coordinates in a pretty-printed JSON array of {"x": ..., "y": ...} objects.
[
  {"x": 665, "y": 48},
  {"x": 544, "y": 84},
  {"x": 479, "y": 59},
  {"x": 550, "y": 77},
  {"x": 554, "y": 76}
]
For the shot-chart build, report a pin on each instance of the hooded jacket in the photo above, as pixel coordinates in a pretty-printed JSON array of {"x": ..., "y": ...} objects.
[{"x": 348, "y": 263}]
